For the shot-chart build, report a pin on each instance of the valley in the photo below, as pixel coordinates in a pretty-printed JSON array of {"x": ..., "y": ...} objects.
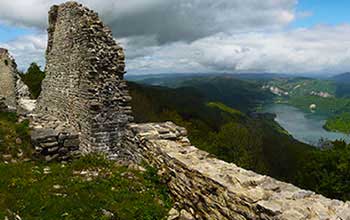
[
  {"x": 325, "y": 98},
  {"x": 303, "y": 126},
  {"x": 224, "y": 116}
]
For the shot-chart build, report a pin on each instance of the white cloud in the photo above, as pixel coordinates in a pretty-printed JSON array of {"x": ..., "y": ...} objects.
[
  {"x": 27, "y": 49},
  {"x": 167, "y": 20},
  {"x": 320, "y": 49},
  {"x": 199, "y": 35}
]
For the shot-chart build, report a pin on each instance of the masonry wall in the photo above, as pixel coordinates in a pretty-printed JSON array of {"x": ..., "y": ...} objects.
[
  {"x": 8, "y": 77},
  {"x": 209, "y": 188},
  {"x": 84, "y": 86}
]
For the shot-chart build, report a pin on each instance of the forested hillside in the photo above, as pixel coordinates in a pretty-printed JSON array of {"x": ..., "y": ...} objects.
[
  {"x": 218, "y": 113},
  {"x": 253, "y": 141}
]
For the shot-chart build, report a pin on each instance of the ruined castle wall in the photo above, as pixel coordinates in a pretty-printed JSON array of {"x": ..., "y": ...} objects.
[
  {"x": 8, "y": 77},
  {"x": 84, "y": 86},
  {"x": 213, "y": 189}
]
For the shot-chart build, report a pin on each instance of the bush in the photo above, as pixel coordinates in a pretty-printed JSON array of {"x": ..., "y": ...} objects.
[{"x": 33, "y": 79}]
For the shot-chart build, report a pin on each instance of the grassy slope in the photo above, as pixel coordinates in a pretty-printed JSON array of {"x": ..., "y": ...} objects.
[
  {"x": 14, "y": 138},
  {"x": 78, "y": 190}
]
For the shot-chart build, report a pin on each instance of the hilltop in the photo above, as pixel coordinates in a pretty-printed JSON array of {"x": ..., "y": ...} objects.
[{"x": 88, "y": 151}]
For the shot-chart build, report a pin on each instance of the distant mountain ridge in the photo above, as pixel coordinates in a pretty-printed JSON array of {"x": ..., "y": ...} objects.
[{"x": 342, "y": 78}]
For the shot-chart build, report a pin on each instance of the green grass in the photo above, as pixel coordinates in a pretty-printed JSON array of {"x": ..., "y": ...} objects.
[
  {"x": 80, "y": 190},
  {"x": 14, "y": 138},
  {"x": 225, "y": 108}
]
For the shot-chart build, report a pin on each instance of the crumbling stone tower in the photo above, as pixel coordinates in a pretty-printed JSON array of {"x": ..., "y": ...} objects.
[
  {"x": 84, "y": 86},
  {"x": 8, "y": 77}
]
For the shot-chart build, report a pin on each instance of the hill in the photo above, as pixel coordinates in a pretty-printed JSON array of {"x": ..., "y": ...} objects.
[
  {"x": 342, "y": 78},
  {"x": 252, "y": 141},
  {"x": 343, "y": 84},
  {"x": 244, "y": 95}
]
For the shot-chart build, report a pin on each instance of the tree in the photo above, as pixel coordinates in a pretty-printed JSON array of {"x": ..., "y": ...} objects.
[{"x": 33, "y": 79}]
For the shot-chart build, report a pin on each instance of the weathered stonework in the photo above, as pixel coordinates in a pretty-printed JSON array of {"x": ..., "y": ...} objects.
[
  {"x": 209, "y": 188},
  {"x": 84, "y": 88},
  {"x": 53, "y": 145},
  {"x": 8, "y": 78},
  {"x": 3, "y": 106},
  {"x": 83, "y": 105}
]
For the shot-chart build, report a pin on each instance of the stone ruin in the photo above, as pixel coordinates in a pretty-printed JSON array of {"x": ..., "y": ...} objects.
[
  {"x": 83, "y": 108},
  {"x": 14, "y": 94},
  {"x": 84, "y": 93},
  {"x": 8, "y": 78}
]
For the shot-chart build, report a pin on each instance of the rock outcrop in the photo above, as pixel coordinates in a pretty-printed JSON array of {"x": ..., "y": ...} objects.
[
  {"x": 84, "y": 88},
  {"x": 8, "y": 78},
  {"x": 209, "y": 188}
]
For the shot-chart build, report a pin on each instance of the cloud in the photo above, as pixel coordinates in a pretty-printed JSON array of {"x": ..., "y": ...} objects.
[
  {"x": 27, "y": 49},
  {"x": 168, "y": 21},
  {"x": 304, "y": 14},
  {"x": 322, "y": 49},
  {"x": 198, "y": 35}
]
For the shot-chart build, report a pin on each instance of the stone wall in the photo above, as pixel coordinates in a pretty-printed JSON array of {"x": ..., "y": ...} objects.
[
  {"x": 3, "y": 106},
  {"x": 84, "y": 88},
  {"x": 209, "y": 188},
  {"x": 84, "y": 104},
  {"x": 8, "y": 77},
  {"x": 53, "y": 145}
]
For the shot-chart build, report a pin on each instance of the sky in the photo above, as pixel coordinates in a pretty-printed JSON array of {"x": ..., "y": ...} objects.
[{"x": 192, "y": 36}]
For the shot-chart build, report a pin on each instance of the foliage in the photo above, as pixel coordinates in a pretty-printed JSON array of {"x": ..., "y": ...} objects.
[
  {"x": 343, "y": 90},
  {"x": 221, "y": 130},
  {"x": 299, "y": 86},
  {"x": 254, "y": 142},
  {"x": 336, "y": 108},
  {"x": 339, "y": 123},
  {"x": 325, "y": 106},
  {"x": 327, "y": 171},
  {"x": 242, "y": 95},
  {"x": 82, "y": 189},
  {"x": 225, "y": 108},
  {"x": 33, "y": 79}
]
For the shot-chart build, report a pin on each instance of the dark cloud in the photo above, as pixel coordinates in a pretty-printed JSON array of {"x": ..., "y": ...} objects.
[{"x": 167, "y": 20}]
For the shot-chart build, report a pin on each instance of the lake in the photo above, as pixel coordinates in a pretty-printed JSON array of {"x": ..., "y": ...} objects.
[{"x": 305, "y": 127}]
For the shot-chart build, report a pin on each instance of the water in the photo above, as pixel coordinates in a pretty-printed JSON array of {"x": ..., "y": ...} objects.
[{"x": 305, "y": 127}]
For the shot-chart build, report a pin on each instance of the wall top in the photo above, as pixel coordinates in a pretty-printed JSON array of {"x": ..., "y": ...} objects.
[{"x": 3, "y": 51}]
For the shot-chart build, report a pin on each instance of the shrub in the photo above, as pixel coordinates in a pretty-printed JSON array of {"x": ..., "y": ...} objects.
[{"x": 33, "y": 79}]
